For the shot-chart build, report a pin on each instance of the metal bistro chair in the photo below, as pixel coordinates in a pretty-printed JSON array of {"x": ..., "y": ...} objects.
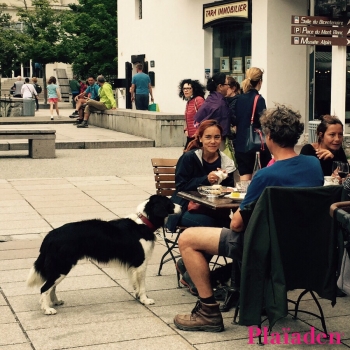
[
  {"x": 290, "y": 243},
  {"x": 164, "y": 176}
]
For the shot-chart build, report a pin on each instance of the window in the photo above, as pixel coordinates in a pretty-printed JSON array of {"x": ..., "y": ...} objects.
[{"x": 232, "y": 43}]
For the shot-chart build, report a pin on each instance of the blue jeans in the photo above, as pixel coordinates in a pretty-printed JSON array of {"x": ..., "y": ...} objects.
[{"x": 142, "y": 101}]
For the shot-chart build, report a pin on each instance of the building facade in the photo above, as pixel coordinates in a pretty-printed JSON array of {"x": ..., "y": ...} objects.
[{"x": 196, "y": 38}]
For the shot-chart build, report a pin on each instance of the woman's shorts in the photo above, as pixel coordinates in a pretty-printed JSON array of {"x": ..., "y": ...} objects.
[{"x": 53, "y": 99}]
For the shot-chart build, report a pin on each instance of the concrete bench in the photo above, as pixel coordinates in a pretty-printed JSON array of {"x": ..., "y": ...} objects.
[{"x": 41, "y": 142}]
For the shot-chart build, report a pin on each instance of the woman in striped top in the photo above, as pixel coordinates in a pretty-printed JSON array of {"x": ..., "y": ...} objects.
[{"x": 193, "y": 92}]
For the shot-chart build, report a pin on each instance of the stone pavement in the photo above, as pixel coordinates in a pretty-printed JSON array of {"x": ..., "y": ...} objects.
[{"x": 37, "y": 195}]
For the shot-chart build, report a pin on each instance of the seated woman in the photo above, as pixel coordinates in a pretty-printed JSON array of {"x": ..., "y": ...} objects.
[
  {"x": 328, "y": 147},
  {"x": 196, "y": 167}
]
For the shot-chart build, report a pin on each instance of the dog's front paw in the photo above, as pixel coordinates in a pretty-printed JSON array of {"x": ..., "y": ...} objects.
[
  {"x": 147, "y": 301},
  {"x": 50, "y": 311},
  {"x": 58, "y": 302}
]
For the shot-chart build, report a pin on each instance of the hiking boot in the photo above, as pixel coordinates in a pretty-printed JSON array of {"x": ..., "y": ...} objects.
[
  {"x": 180, "y": 267},
  {"x": 75, "y": 114},
  {"x": 204, "y": 317},
  {"x": 84, "y": 124},
  {"x": 78, "y": 121},
  {"x": 186, "y": 279},
  {"x": 187, "y": 282}
]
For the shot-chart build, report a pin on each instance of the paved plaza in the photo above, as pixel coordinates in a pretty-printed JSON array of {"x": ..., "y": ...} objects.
[{"x": 37, "y": 195}]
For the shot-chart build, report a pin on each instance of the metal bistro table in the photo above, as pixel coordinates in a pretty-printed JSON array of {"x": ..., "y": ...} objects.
[{"x": 214, "y": 203}]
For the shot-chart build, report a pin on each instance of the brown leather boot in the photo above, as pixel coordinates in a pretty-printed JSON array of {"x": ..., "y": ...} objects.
[{"x": 204, "y": 317}]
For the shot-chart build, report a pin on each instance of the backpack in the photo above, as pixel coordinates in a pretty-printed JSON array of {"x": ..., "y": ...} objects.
[{"x": 38, "y": 88}]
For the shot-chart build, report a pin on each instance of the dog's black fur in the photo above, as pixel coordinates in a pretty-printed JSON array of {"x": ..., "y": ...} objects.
[{"x": 127, "y": 242}]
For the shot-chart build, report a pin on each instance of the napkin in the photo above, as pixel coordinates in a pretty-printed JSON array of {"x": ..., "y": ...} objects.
[{"x": 221, "y": 175}]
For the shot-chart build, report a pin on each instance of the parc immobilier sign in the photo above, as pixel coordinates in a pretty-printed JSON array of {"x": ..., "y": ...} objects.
[{"x": 316, "y": 30}]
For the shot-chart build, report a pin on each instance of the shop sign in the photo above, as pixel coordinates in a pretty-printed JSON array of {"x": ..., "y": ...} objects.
[
  {"x": 318, "y": 21},
  {"x": 223, "y": 11},
  {"x": 313, "y": 30},
  {"x": 320, "y": 40}
]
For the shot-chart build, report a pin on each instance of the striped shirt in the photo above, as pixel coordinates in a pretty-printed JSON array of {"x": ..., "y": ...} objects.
[{"x": 192, "y": 107}]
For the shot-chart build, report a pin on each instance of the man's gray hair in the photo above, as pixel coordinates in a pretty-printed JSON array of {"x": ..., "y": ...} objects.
[{"x": 101, "y": 79}]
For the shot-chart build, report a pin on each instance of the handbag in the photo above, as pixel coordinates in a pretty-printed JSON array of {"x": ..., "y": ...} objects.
[
  {"x": 255, "y": 140},
  {"x": 153, "y": 107},
  {"x": 193, "y": 207},
  {"x": 343, "y": 282}
]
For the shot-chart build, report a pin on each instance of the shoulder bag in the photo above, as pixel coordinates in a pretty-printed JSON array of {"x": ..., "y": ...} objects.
[
  {"x": 255, "y": 140},
  {"x": 33, "y": 95}
]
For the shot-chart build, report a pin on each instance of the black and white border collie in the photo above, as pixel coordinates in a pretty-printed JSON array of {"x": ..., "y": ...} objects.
[{"x": 126, "y": 242}]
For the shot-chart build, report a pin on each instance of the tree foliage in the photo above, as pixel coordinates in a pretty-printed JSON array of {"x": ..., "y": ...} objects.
[
  {"x": 44, "y": 37},
  {"x": 93, "y": 24},
  {"x": 9, "y": 43},
  {"x": 84, "y": 35}
]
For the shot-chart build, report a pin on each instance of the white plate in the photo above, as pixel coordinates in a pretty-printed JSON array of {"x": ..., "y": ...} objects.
[
  {"x": 229, "y": 189},
  {"x": 241, "y": 196}
]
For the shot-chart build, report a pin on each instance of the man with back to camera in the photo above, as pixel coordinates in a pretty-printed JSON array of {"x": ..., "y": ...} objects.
[
  {"x": 107, "y": 101},
  {"x": 282, "y": 128},
  {"x": 142, "y": 83},
  {"x": 17, "y": 87}
]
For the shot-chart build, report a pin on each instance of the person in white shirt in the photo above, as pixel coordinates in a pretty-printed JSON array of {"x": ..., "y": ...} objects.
[{"x": 28, "y": 90}]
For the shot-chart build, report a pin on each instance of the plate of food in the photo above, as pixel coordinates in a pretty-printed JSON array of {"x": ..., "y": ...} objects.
[
  {"x": 235, "y": 195},
  {"x": 211, "y": 191},
  {"x": 228, "y": 189}
]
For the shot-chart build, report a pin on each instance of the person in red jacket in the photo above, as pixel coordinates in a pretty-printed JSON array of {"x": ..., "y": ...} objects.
[{"x": 193, "y": 92}]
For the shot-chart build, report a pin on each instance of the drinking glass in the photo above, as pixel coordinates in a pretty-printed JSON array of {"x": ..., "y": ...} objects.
[
  {"x": 242, "y": 186},
  {"x": 343, "y": 170},
  {"x": 335, "y": 168}
]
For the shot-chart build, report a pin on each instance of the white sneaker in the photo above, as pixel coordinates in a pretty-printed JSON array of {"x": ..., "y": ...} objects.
[{"x": 51, "y": 118}]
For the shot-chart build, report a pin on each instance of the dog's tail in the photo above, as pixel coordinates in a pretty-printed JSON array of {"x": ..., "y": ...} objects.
[{"x": 35, "y": 277}]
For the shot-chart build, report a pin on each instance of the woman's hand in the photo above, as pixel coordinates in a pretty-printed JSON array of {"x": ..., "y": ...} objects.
[
  {"x": 223, "y": 170},
  {"x": 212, "y": 178},
  {"x": 322, "y": 153}
]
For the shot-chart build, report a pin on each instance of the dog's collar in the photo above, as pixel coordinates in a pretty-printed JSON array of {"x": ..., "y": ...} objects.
[{"x": 146, "y": 221}]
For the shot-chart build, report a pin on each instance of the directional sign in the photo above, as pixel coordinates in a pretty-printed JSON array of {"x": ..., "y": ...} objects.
[
  {"x": 313, "y": 30},
  {"x": 318, "y": 21},
  {"x": 320, "y": 40}
]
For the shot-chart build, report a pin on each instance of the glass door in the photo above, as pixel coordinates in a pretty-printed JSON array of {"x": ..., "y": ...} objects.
[{"x": 322, "y": 86}]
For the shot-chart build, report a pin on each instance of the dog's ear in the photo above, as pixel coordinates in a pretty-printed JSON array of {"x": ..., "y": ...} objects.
[{"x": 159, "y": 206}]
